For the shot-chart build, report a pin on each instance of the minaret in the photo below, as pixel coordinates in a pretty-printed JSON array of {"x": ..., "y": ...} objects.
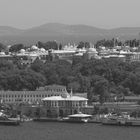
[
  {"x": 139, "y": 39},
  {"x": 71, "y": 93}
]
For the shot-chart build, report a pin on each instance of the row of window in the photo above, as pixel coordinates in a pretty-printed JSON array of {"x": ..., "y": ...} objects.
[
  {"x": 55, "y": 90},
  {"x": 15, "y": 100},
  {"x": 21, "y": 96},
  {"x": 66, "y": 104}
]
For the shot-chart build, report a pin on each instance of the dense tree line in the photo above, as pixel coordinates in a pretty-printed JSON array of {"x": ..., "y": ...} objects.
[
  {"x": 101, "y": 78},
  {"x": 49, "y": 45},
  {"x": 109, "y": 43},
  {"x": 117, "y": 42},
  {"x": 96, "y": 77}
]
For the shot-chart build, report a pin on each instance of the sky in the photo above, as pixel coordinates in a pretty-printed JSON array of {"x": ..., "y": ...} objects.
[{"x": 25, "y": 14}]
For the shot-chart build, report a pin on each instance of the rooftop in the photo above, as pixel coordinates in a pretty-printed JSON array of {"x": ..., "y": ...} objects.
[
  {"x": 68, "y": 98},
  {"x": 81, "y": 115}
]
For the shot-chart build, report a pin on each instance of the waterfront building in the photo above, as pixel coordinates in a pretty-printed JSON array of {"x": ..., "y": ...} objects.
[
  {"x": 32, "y": 97},
  {"x": 64, "y": 105}
]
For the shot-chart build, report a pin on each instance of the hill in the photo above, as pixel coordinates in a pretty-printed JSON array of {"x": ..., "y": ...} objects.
[{"x": 64, "y": 33}]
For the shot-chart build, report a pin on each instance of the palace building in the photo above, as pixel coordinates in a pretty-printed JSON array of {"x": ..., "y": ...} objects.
[
  {"x": 64, "y": 105},
  {"x": 32, "y": 96}
]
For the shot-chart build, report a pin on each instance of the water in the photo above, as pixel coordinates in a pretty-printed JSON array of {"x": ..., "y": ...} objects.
[{"x": 67, "y": 131}]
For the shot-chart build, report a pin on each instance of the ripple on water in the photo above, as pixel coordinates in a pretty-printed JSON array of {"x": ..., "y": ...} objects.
[{"x": 67, "y": 131}]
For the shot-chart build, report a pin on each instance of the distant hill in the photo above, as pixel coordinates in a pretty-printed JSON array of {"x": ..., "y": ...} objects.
[
  {"x": 6, "y": 30},
  {"x": 64, "y": 33}
]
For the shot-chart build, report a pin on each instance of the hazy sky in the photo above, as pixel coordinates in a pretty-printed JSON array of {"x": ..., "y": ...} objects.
[{"x": 99, "y": 13}]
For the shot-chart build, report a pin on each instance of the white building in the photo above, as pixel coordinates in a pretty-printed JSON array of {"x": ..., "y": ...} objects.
[{"x": 32, "y": 96}]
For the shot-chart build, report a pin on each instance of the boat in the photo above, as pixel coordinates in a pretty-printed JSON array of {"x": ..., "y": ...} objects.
[
  {"x": 121, "y": 120},
  {"x": 4, "y": 120},
  {"x": 132, "y": 122},
  {"x": 77, "y": 118},
  {"x": 110, "y": 120}
]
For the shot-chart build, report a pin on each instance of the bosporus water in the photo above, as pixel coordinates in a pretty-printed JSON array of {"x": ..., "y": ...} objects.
[{"x": 68, "y": 131}]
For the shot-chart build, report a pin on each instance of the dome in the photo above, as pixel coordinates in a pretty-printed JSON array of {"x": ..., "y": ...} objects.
[
  {"x": 123, "y": 52},
  {"x": 42, "y": 49},
  {"x": 22, "y": 50},
  {"x": 92, "y": 50},
  {"x": 34, "y": 47},
  {"x": 2, "y": 53},
  {"x": 102, "y": 47}
]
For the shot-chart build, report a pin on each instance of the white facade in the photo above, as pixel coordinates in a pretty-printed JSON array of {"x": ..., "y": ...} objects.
[{"x": 32, "y": 96}]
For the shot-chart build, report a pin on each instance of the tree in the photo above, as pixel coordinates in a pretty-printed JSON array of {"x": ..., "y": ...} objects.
[
  {"x": 132, "y": 82},
  {"x": 81, "y": 45},
  {"x": 74, "y": 86},
  {"x": 2, "y": 47},
  {"x": 84, "y": 83},
  {"x": 16, "y": 47},
  {"x": 37, "y": 65},
  {"x": 48, "y": 45},
  {"x": 32, "y": 80},
  {"x": 87, "y": 45},
  {"x": 60, "y": 46},
  {"x": 18, "y": 80},
  {"x": 101, "y": 88},
  {"x": 5, "y": 65}
]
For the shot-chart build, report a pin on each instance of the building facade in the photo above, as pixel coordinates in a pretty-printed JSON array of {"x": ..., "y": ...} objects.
[
  {"x": 58, "y": 106},
  {"x": 32, "y": 97}
]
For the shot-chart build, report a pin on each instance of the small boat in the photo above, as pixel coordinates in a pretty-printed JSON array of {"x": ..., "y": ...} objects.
[
  {"x": 77, "y": 118},
  {"x": 4, "y": 120},
  {"x": 123, "y": 120},
  {"x": 132, "y": 122},
  {"x": 110, "y": 120},
  {"x": 114, "y": 119}
]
